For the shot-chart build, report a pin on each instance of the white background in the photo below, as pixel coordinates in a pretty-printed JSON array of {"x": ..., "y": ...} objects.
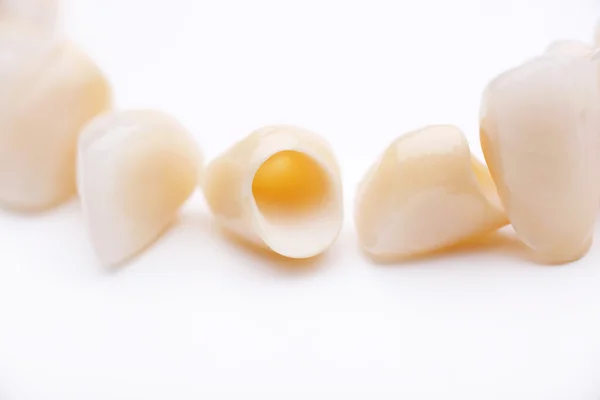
[{"x": 198, "y": 317}]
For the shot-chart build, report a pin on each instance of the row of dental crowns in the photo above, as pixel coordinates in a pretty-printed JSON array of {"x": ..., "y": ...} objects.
[{"x": 280, "y": 187}]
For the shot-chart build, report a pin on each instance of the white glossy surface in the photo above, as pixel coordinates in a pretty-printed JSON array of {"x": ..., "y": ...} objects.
[{"x": 198, "y": 317}]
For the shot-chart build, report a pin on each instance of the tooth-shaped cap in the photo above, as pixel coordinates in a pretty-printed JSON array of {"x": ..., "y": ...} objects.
[
  {"x": 47, "y": 94},
  {"x": 135, "y": 171},
  {"x": 280, "y": 188},
  {"x": 425, "y": 193},
  {"x": 574, "y": 48},
  {"x": 540, "y": 132}
]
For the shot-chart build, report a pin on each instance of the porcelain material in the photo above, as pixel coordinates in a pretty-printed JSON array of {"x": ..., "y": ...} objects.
[
  {"x": 279, "y": 188},
  {"x": 540, "y": 130},
  {"x": 48, "y": 92},
  {"x": 425, "y": 193},
  {"x": 135, "y": 171}
]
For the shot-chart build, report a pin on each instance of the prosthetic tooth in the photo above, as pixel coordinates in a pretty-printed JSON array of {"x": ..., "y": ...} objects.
[
  {"x": 540, "y": 133},
  {"x": 48, "y": 92},
  {"x": 135, "y": 171},
  {"x": 279, "y": 188},
  {"x": 425, "y": 193}
]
